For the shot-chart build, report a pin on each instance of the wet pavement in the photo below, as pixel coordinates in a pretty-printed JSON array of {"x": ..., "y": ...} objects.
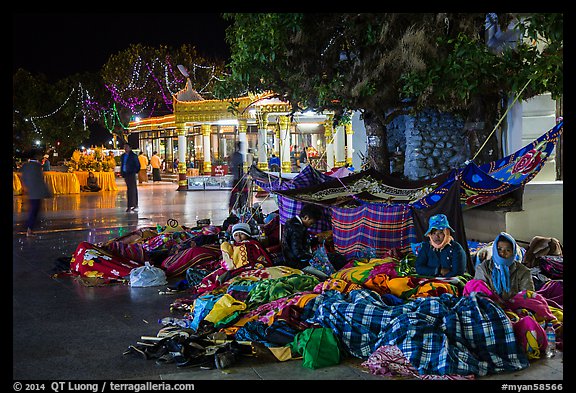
[{"x": 63, "y": 330}]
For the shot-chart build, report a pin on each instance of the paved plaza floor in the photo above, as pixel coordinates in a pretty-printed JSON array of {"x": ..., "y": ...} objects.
[{"x": 63, "y": 330}]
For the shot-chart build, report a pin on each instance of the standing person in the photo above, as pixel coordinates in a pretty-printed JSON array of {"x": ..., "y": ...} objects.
[
  {"x": 274, "y": 163},
  {"x": 175, "y": 165},
  {"x": 111, "y": 161},
  {"x": 296, "y": 241},
  {"x": 36, "y": 188},
  {"x": 293, "y": 158},
  {"x": 441, "y": 256},
  {"x": 303, "y": 159},
  {"x": 239, "y": 193},
  {"x": 46, "y": 163},
  {"x": 504, "y": 275},
  {"x": 142, "y": 174},
  {"x": 129, "y": 168},
  {"x": 156, "y": 164}
]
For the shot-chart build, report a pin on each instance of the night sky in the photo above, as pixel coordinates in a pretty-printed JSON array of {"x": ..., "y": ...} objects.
[{"x": 60, "y": 44}]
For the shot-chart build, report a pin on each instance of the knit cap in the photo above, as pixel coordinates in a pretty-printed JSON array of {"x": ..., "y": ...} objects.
[{"x": 243, "y": 228}]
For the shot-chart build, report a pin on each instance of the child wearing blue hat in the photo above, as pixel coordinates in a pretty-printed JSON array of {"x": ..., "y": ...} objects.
[{"x": 441, "y": 256}]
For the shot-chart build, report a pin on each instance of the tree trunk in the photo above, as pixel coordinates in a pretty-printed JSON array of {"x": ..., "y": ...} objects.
[
  {"x": 483, "y": 115},
  {"x": 377, "y": 156},
  {"x": 560, "y": 144}
]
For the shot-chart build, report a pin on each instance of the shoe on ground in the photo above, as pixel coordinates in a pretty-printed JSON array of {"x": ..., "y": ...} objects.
[
  {"x": 135, "y": 209},
  {"x": 128, "y": 210},
  {"x": 224, "y": 358}
]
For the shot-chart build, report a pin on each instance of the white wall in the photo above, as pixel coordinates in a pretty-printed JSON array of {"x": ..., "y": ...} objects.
[
  {"x": 539, "y": 116},
  {"x": 542, "y": 215},
  {"x": 543, "y": 199},
  {"x": 359, "y": 140}
]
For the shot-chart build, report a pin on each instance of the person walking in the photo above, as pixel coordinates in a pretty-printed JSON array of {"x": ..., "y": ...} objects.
[
  {"x": 36, "y": 189},
  {"x": 238, "y": 195},
  {"x": 156, "y": 163},
  {"x": 142, "y": 174},
  {"x": 129, "y": 168}
]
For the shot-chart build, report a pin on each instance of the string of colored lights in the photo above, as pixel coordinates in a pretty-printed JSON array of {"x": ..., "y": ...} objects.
[
  {"x": 80, "y": 99},
  {"x": 87, "y": 105}
]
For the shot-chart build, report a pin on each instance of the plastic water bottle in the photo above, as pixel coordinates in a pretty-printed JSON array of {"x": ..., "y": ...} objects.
[
  {"x": 551, "y": 336},
  {"x": 169, "y": 321}
]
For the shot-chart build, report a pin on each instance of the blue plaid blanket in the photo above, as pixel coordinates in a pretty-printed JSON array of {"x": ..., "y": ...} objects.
[{"x": 439, "y": 335}]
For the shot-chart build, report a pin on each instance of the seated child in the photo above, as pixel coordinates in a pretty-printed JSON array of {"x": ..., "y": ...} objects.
[{"x": 244, "y": 250}]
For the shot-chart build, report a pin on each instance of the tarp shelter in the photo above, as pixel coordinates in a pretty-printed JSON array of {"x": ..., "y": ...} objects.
[
  {"x": 375, "y": 210},
  {"x": 289, "y": 207}
]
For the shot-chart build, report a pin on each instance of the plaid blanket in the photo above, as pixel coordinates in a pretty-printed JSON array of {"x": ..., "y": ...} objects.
[
  {"x": 439, "y": 335},
  {"x": 372, "y": 225}
]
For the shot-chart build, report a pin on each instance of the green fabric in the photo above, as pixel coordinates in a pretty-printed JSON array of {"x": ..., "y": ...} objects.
[
  {"x": 228, "y": 320},
  {"x": 276, "y": 288},
  {"x": 317, "y": 346}
]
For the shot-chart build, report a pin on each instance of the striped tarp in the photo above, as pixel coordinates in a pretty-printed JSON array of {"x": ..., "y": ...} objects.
[
  {"x": 372, "y": 225},
  {"x": 289, "y": 207}
]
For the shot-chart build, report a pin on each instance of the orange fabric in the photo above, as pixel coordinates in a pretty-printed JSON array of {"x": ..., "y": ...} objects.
[{"x": 378, "y": 283}]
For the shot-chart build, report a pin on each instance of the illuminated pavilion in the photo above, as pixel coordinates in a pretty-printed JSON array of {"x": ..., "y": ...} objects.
[{"x": 209, "y": 130}]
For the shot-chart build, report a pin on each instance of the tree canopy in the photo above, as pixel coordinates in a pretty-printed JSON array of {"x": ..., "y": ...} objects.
[
  {"x": 137, "y": 81},
  {"x": 379, "y": 63}
]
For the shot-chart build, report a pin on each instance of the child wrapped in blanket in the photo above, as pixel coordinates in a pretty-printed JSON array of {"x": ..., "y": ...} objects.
[
  {"x": 241, "y": 254},
  {"x": 244, "y": 250}
]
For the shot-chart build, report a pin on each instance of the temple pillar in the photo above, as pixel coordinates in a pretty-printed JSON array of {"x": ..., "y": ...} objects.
[
  {"x": 206, "y": 132},
  {"x": 314, "y": 141},
  {"x": 262, "y": 142},
  {"x": 169, "y": 154},
  {"x": 277, "y": 140},
  {"x": 328, "y": 131},
  {"x": 349, "y": 148},
  {"x": 243, "y": 138},
  {"x": 284, "y": 125},
  {"x": 339, "y": 151},
  {"x": 182, "y": 181}
]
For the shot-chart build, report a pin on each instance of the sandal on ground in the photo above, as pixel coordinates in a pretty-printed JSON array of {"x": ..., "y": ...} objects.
[
  {"x": 156, "y": 351},
  {"x": 175, "y": 352},
  {"x": 136, "y": 350},
  {"x": 198, "y": 359},
  {"x": 167, "y": 358}
]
